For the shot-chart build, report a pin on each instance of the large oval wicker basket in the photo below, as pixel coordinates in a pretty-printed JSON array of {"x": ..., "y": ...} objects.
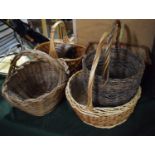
[
  {"x": 63, "y": 48},
  {"x": 36, "y": 86},
  {"x": 91, "y": 109}
]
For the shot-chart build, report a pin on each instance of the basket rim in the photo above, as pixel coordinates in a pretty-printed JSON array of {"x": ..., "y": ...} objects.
[
  {"x": 97, "y": 111},
  {"x": 58, "y": 42},
  {"x": 140, "y": 70}
]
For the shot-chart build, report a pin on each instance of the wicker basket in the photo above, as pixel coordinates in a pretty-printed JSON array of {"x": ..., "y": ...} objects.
[
  {"x": 63, "y": 48},
  {"x": 83, "y": 103},
  {"x": 124, "y": 70},
  {"x": 99, "y": 117},
  {"x": 36, "y": 86}
]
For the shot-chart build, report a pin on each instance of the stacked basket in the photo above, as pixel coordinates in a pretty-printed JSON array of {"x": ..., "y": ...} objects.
[
  {"x": 108, "y": 86},
  {"x": 103, "y": 94}
]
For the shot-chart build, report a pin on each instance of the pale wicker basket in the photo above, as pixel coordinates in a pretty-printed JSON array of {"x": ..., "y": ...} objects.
[{"x": 99, "y": 117}]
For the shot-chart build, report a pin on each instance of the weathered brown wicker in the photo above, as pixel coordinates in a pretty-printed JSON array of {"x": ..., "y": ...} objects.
[
  {"x": 64, "y": 48},
  {"x": 36, "y": 86},
  {"x": 83, "y": 102}
]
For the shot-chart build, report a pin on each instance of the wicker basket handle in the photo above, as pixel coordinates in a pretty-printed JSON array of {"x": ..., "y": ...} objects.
[
  {"x": 108, "y": 37},
  {"x": 92, "y": 72},
  {"x": 119, "y": 30},
  {"x": 31, "y": 54},
  {"x": 64, "y": 37}
]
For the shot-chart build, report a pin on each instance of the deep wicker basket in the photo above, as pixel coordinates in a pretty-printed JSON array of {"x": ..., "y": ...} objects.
[
  {"x": 36, "y": 86},
  {"x": 101, "y": 100},
  {"x": 63, "y": 48},
  {"x": 124, "y": 71},
  {"x": 125, "y": 74}
]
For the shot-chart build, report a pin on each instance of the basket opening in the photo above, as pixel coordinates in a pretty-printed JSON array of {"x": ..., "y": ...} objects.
[
  {"x": 107, "y": 96},
  {"x": 33, "y": 80},
  {"x": 122, "y": 64},
  {"x": 69, "y": 51}
]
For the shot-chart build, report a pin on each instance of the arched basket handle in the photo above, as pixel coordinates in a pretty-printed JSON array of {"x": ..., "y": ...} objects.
[
  {"x": 108, "y": 37},
  {"x": 64, "y": 37},
  {"x": 31, "y": 54}
]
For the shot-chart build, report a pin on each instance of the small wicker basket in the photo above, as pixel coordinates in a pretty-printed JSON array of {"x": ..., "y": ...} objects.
[
  {"x": 63, "y": 48},
  {"x": 37, "y": 85},
  {"x": 83, "y": 101}
]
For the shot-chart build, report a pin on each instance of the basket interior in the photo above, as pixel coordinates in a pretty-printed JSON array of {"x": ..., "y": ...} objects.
[
  {"x": 123, "y": 63},
  {"x": 79, "y": 84},
  {"x": 33, "y": 80},
  {"x": 125, "y": 76},
  {"x": 69, "y": 51}
]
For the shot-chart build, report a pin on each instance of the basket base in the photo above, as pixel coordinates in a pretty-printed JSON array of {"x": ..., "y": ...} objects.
[{"x": 106, "y": 127}]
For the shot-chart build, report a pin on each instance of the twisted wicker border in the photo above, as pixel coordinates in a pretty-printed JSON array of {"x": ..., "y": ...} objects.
[{"x": 101, "y": 117}]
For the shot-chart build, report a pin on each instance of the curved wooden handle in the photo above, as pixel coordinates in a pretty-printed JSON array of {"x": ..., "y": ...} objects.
[
  {"x": 33, "y": 54},
  {"x": 118, "y": 24},
  {"x": 64, "y": 37},
  {"x": 92, "y": 72},
  {"x": 109, "y": 38},
  {"x": 121, "y": 29}
]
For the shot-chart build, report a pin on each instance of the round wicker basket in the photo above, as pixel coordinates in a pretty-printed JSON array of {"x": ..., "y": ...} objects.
[
  {"x": 37, "y": 85},
  {"x": 123, "y": 68},
  {"x": 83, "y": 102},
  {"x": 125, "y": 74},
  {"x": 99, "y": 117},
  {"x": 63, "y": 48}
]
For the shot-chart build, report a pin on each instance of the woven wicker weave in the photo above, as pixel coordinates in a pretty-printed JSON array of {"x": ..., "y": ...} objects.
[
  {"x": 125, "y": 74},
  {"x": 63, "y": 48},
  {"x": 124, "y": 70},
  {"x": 36, "y": 86},
  {"x": 99, "y": 117},
  {"x": 84, "y": 83}
]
